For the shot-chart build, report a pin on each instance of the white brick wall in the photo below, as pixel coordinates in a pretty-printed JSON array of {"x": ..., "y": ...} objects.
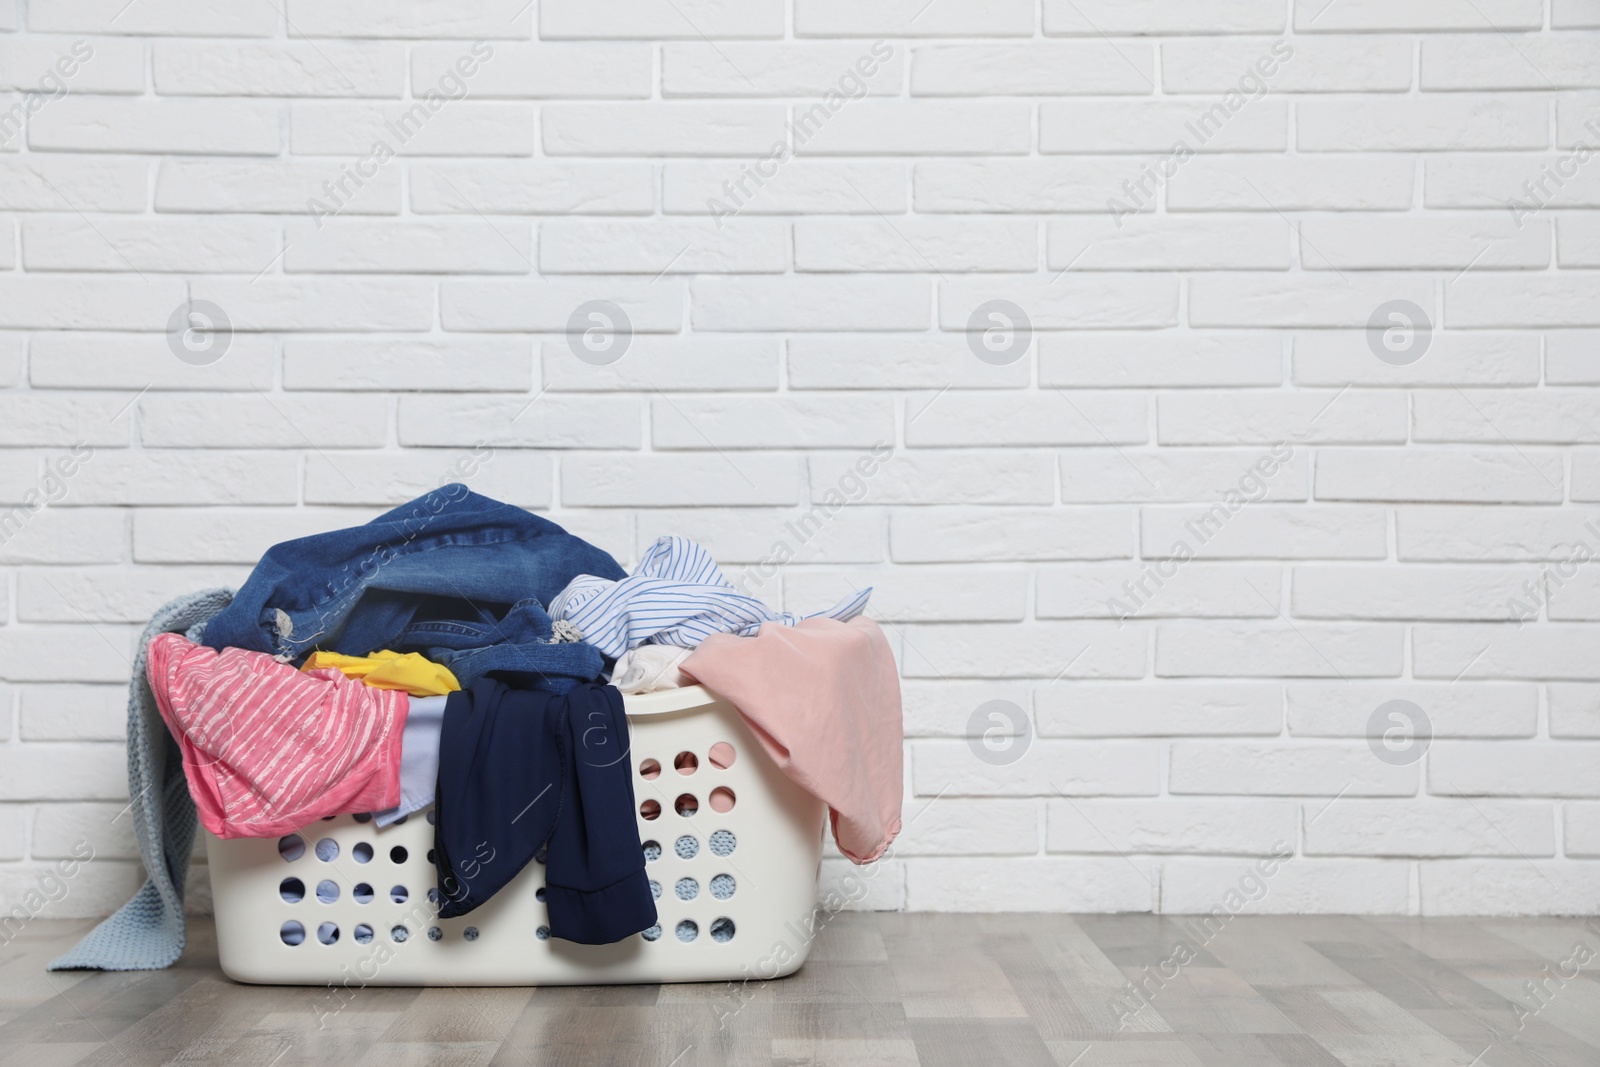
[{"x": 1183, "y": 520}]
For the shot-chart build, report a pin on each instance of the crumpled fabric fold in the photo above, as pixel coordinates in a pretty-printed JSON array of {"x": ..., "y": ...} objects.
[
  {"x": 523, "y": 772},
  {"x": 458, "y": 577},
  {"x": 149, "y": 932},
  {"x": 676, "y": 596},
  {"x": 824, "y": 700},
  {"x": 410, "y": 672},
  {"x": 268, "y": 749},
  {"x": 650, "y": 669}
]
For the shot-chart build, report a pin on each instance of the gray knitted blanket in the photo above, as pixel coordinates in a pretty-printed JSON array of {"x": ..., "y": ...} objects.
[{"x": 148, "y": 931}]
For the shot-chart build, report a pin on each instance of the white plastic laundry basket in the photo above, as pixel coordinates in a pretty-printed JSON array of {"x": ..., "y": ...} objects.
[{"x": 735, "y": 888}]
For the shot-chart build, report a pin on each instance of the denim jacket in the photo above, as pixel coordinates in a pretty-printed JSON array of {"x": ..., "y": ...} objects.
[{"x": 459, "y": 577}]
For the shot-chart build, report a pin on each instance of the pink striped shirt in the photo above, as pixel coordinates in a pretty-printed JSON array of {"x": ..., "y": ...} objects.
[{"x": 268, "y": 749}]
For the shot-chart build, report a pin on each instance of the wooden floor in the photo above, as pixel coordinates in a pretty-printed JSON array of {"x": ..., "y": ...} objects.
[{"x": 889, "y": 989}]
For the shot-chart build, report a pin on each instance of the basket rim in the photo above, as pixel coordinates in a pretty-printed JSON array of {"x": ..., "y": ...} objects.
[{"x": 665, "y": 701}]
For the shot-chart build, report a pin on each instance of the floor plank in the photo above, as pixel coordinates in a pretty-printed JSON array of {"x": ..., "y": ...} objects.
[{"x": 897, "y": 990}]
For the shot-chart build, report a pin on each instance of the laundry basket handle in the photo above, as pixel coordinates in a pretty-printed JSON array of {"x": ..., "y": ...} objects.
[{"x": 667, "y": 700}]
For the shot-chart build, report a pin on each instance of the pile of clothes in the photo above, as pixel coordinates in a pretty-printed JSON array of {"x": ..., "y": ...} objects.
[{"x": 460, "y": 653}]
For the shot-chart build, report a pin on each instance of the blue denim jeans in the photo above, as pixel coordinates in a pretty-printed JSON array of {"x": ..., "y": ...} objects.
[{"x": 459, "y": 577}]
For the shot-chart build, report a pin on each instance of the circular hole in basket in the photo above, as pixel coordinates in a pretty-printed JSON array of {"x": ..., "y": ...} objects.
[
  {"x": 542, "y": 933},
  {"x": 398, "y": 894},
  {"x": 723, "y": 887},
  {"x": 327, "y": 891},
  {"x": 650, "y": 770},
  {"x": 722, "y": 929},
  {"x": 401, "y": 821},
  {"x": 652, "y": 934},
  {"x": 687, "y": 930},
  {"x": 722, "y": 800},
  {"x": 363, "y": 893},
  {"x": 328, "y": 933},
  {"x": 434, "y": 933},
  {"x": 687, "y": 889},
  {"x": 363, "y": 934},
  {"x": 538, "y": 894},
  {"x": 686, "y": 805},
  {"x": 430, "y": 816},
  {"x": 687, "y": 847},
  {"x": 685, "y": 763},
  {"x": 292, "y": 890},
  {"x": 291, "y": 847},
  {"x": 399, "y": 933},
  {"x": 398, "y": 854},
  {"x": 723, "y": 843},
  {"x": 722, "y": 755},
  {"x": 432, "y": 860},
  {"x": 292, "y": 932},
  {"x": 327, "y": 818},
  {"x": 655, "y": 889},
  {"x": 650, "y": 810},
  {"x": 362, "y": 853},
  {"x": 327, "y": 850},
  {"x": 362, "y": 816},
  {"x": 652, "y": 851},
  {"x": 470, "y": 933},
  {"x": 433, "y": 894}
]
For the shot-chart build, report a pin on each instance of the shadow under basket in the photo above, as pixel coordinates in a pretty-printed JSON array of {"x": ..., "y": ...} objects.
[{"x": 733, "y": 849}]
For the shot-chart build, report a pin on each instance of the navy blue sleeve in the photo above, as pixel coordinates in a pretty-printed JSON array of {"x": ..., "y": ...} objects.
[
  {"x": 595, "y": 886},
  {"x": 500, "y": 790},
  {"x": 522, "y": 771}
]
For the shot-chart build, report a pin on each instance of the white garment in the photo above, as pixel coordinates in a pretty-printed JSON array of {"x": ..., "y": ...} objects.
[{"x": 649, "y": 668}]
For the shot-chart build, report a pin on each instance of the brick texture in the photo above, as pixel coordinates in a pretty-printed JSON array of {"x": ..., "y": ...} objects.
[{"x": 1193, "y": 381}]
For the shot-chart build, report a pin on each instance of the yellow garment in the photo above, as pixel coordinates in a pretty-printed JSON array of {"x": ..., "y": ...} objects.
[{"x": 411, "y": 671}]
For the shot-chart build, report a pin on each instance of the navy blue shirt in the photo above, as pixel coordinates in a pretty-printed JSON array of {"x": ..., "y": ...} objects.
[{"x": 523, "y": 772}]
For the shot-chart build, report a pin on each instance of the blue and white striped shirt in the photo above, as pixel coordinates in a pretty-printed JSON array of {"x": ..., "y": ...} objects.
[{"x": 676, "y": 596}]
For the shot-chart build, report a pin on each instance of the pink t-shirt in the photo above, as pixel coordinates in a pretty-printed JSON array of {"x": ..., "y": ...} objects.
[
  {"x": 268, "y": 749},
  {"x": 823, "y": 698}
]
